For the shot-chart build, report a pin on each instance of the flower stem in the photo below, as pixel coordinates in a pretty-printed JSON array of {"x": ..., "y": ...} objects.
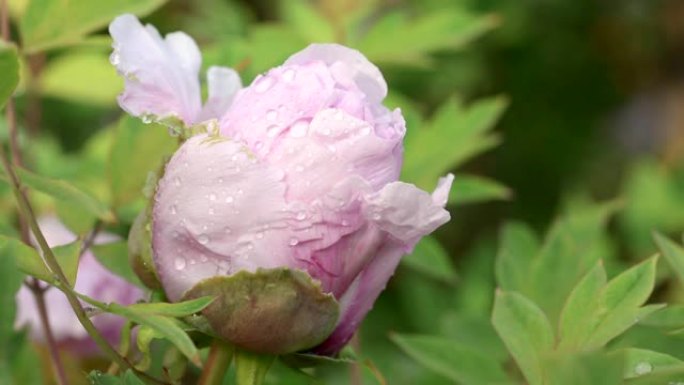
[{"x": 220, "y": 355}]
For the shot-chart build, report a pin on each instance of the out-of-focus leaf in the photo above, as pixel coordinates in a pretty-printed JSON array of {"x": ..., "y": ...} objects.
[
  {"x": 54, "y": 23},
  {"x": 474, "y": 189},
  {"x": 578, "y": 313},
  {"x": 251, "y": 368},
  {"x": 138, "y": 149},
  {"x": 29, "y": 261},
  {"x": 144, "y": 338},
  {"x": 307, "y": 21},
  {"x": 451, "y": 359},
  {"x": 673, "y": 253},
  {"x": 639, "y": 362},
  {"x": 454, "y": 135},
  {"x": 82, "y": 77},
  {"x": 114, "y": 256},
  {"x": 400, "y": 39},
  {"x": 519, "y": 245},
  {"x": 128, "y": 378},
  {"x": 525, "y": 331},
  {"x": 671, "y": 317},
  {"x": 673, "y": 375},
  {"x": 10, "y": 282},
  {"x": 566, "y": 256},
  {"x": 595, "y": 368},
  {"x": 597, "y": 312},
  {"x": 431, "y": 258},
  {"x": 9, "y": 71},
  {"x": 65, "y": 192}
]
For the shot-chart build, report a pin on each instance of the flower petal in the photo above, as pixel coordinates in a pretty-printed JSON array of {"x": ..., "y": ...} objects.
[
  {"x": 407, "y": 212},
  {"x": 161, "y": 75},
  {"x": 218, "y": 211},
  {"x": 354, "y": 66},
  {"x": 222, "y": 83}
]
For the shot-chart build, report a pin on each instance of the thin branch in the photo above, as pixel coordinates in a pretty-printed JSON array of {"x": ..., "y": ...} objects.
[{"x": 220, "y": 355}]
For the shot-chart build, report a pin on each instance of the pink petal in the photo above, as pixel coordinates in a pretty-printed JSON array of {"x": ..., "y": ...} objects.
[
  {"x": 161, "y": 75},
  {"x": 354, "y": 66},
  {"x": 222, "y": 83}
]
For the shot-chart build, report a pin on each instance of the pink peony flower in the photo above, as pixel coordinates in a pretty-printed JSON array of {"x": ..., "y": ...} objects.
[
  {"x": 302, "y": 174},
  {"x": 93, "y": 280}
]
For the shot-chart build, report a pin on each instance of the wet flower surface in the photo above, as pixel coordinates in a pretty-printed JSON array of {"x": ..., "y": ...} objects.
[{"x": 302, "y": 172}]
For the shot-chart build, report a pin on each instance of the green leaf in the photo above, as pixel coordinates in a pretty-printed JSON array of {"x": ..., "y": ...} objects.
[
  {"x": 65, "y": 192},
  {"x": 525, "y": 331},
  {"x": 413, "y": 38},
  {"x": 454, "y": 135},
  {"x": 453, "y": 360},
  {"x": 673, "y": 375},
  {"x": 639, "y": 362},
  {"x": 519, "y": 245},
  {"x": 143, "y": 340},
  {"x": 474, "y": 189},
  {"x": 10, "y": 282},
  {"x": 55, "y": 23},
  {"x": 169, "y": 328},
  {"x": 580, "y": 308},
  {"x": 68, "y": 257},
  {"x": 30, "y": 262},
  {"x": 178, "y": 309},
  {"x": 620, "y": 301},
  {"x": 671, "y": 317},
  {"x": 251, "y": 368},
  {"x": 673, "y": 253},
  {"x": 593, "y": 368},
  {"x": 72, "y": 76},
  {"x": 9, "y": 71},
  {"x": 114, "y": 257},
  {"x": 138, "y": 149},
  {"x": 429, "y": 257},
  {"x": 307, "y": 21},
  {"x": 566, "y": 256}
]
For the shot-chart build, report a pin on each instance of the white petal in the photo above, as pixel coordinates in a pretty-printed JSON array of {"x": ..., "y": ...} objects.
[
  {"x": 407, "y": 212},
  {"x": 161, "y": 76},
  {"x": 222, "y": 84}
]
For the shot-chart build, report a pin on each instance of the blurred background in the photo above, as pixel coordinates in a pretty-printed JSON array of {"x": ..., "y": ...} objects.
[{"x": 540, "y": 107}]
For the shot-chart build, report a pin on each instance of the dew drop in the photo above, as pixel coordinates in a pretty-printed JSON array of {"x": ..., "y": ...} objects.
[
  {"x": 366, "y": 130},
  {"x": 643, "y": 368},
  {"x": 259, "y": 235},
  {"x": 147, "y": 118},
  {"x": 294, "y": 241},
  {"x": 220, "y": 180},
  {"x": 271, "y": 115},
  {"x": 177, "y": 181},
  {"x": 263, "y": 84},
  {"x": 377, "y": 216},
  {"x": 227, "y": 230},
  {"x": 212, "y": 197},
  {"x": 174, "y": 209},
  {"x": 115, "y": 58},
  {"x": 229, "y": 199},
  {"x": 299, "y": 128},
  {"x": 289, "y": 75},
  {"x": 301, "y": 216},
  {"x": 203, "y": 239},
  {"x": 345, "y": 223},
  {"x": 211, "y": 211},
  {"x": 203, "y": 258},
  {"x": 179, "y": 263},
  {"x": 272, "y": 130}
]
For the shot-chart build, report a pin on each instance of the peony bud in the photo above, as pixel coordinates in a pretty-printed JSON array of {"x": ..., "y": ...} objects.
[
  {"x": 92, "y": 280},
  {"x": 302, "y": 176}
]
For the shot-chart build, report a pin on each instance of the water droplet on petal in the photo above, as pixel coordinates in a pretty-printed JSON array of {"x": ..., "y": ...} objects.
[
  {"x": 173, "y": 209},
  {"x": 177, "y": 181},
  {"x": 365, "y": 131},
  {"x": 259, "y": 235},
  {"x": 147, "y": 118},
  {"x": 203, "y": 258},
  {"x": 376, "y": 216},
  {"x": 289, "y": 75},
  {"x": 301, "y": 216},
  {"x": 115, "y": 58},
  {"x": 229, "y": 199},
  {"x": 212, "y": 197},
  {"x": 643, "y": 368},
  {"x": 299, "y": 128},
  {"x": 294, "y": 241},
  {"x": 345, "y": 222},
  {"x": 263, "y": 83},
  {"x": 179, "y": 263},
  {"x": 272, "y": 130},
  {"x": 211, "y": 211},
  {"x": 203, "y": 239},
  {"x": 271, "y": 115},
  {"x": 227, "y": 230}
]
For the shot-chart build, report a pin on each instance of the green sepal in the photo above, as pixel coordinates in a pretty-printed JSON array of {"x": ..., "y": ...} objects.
[
  {"x": 140, "y": 251},
  {"x": 271, "y": 311}
]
